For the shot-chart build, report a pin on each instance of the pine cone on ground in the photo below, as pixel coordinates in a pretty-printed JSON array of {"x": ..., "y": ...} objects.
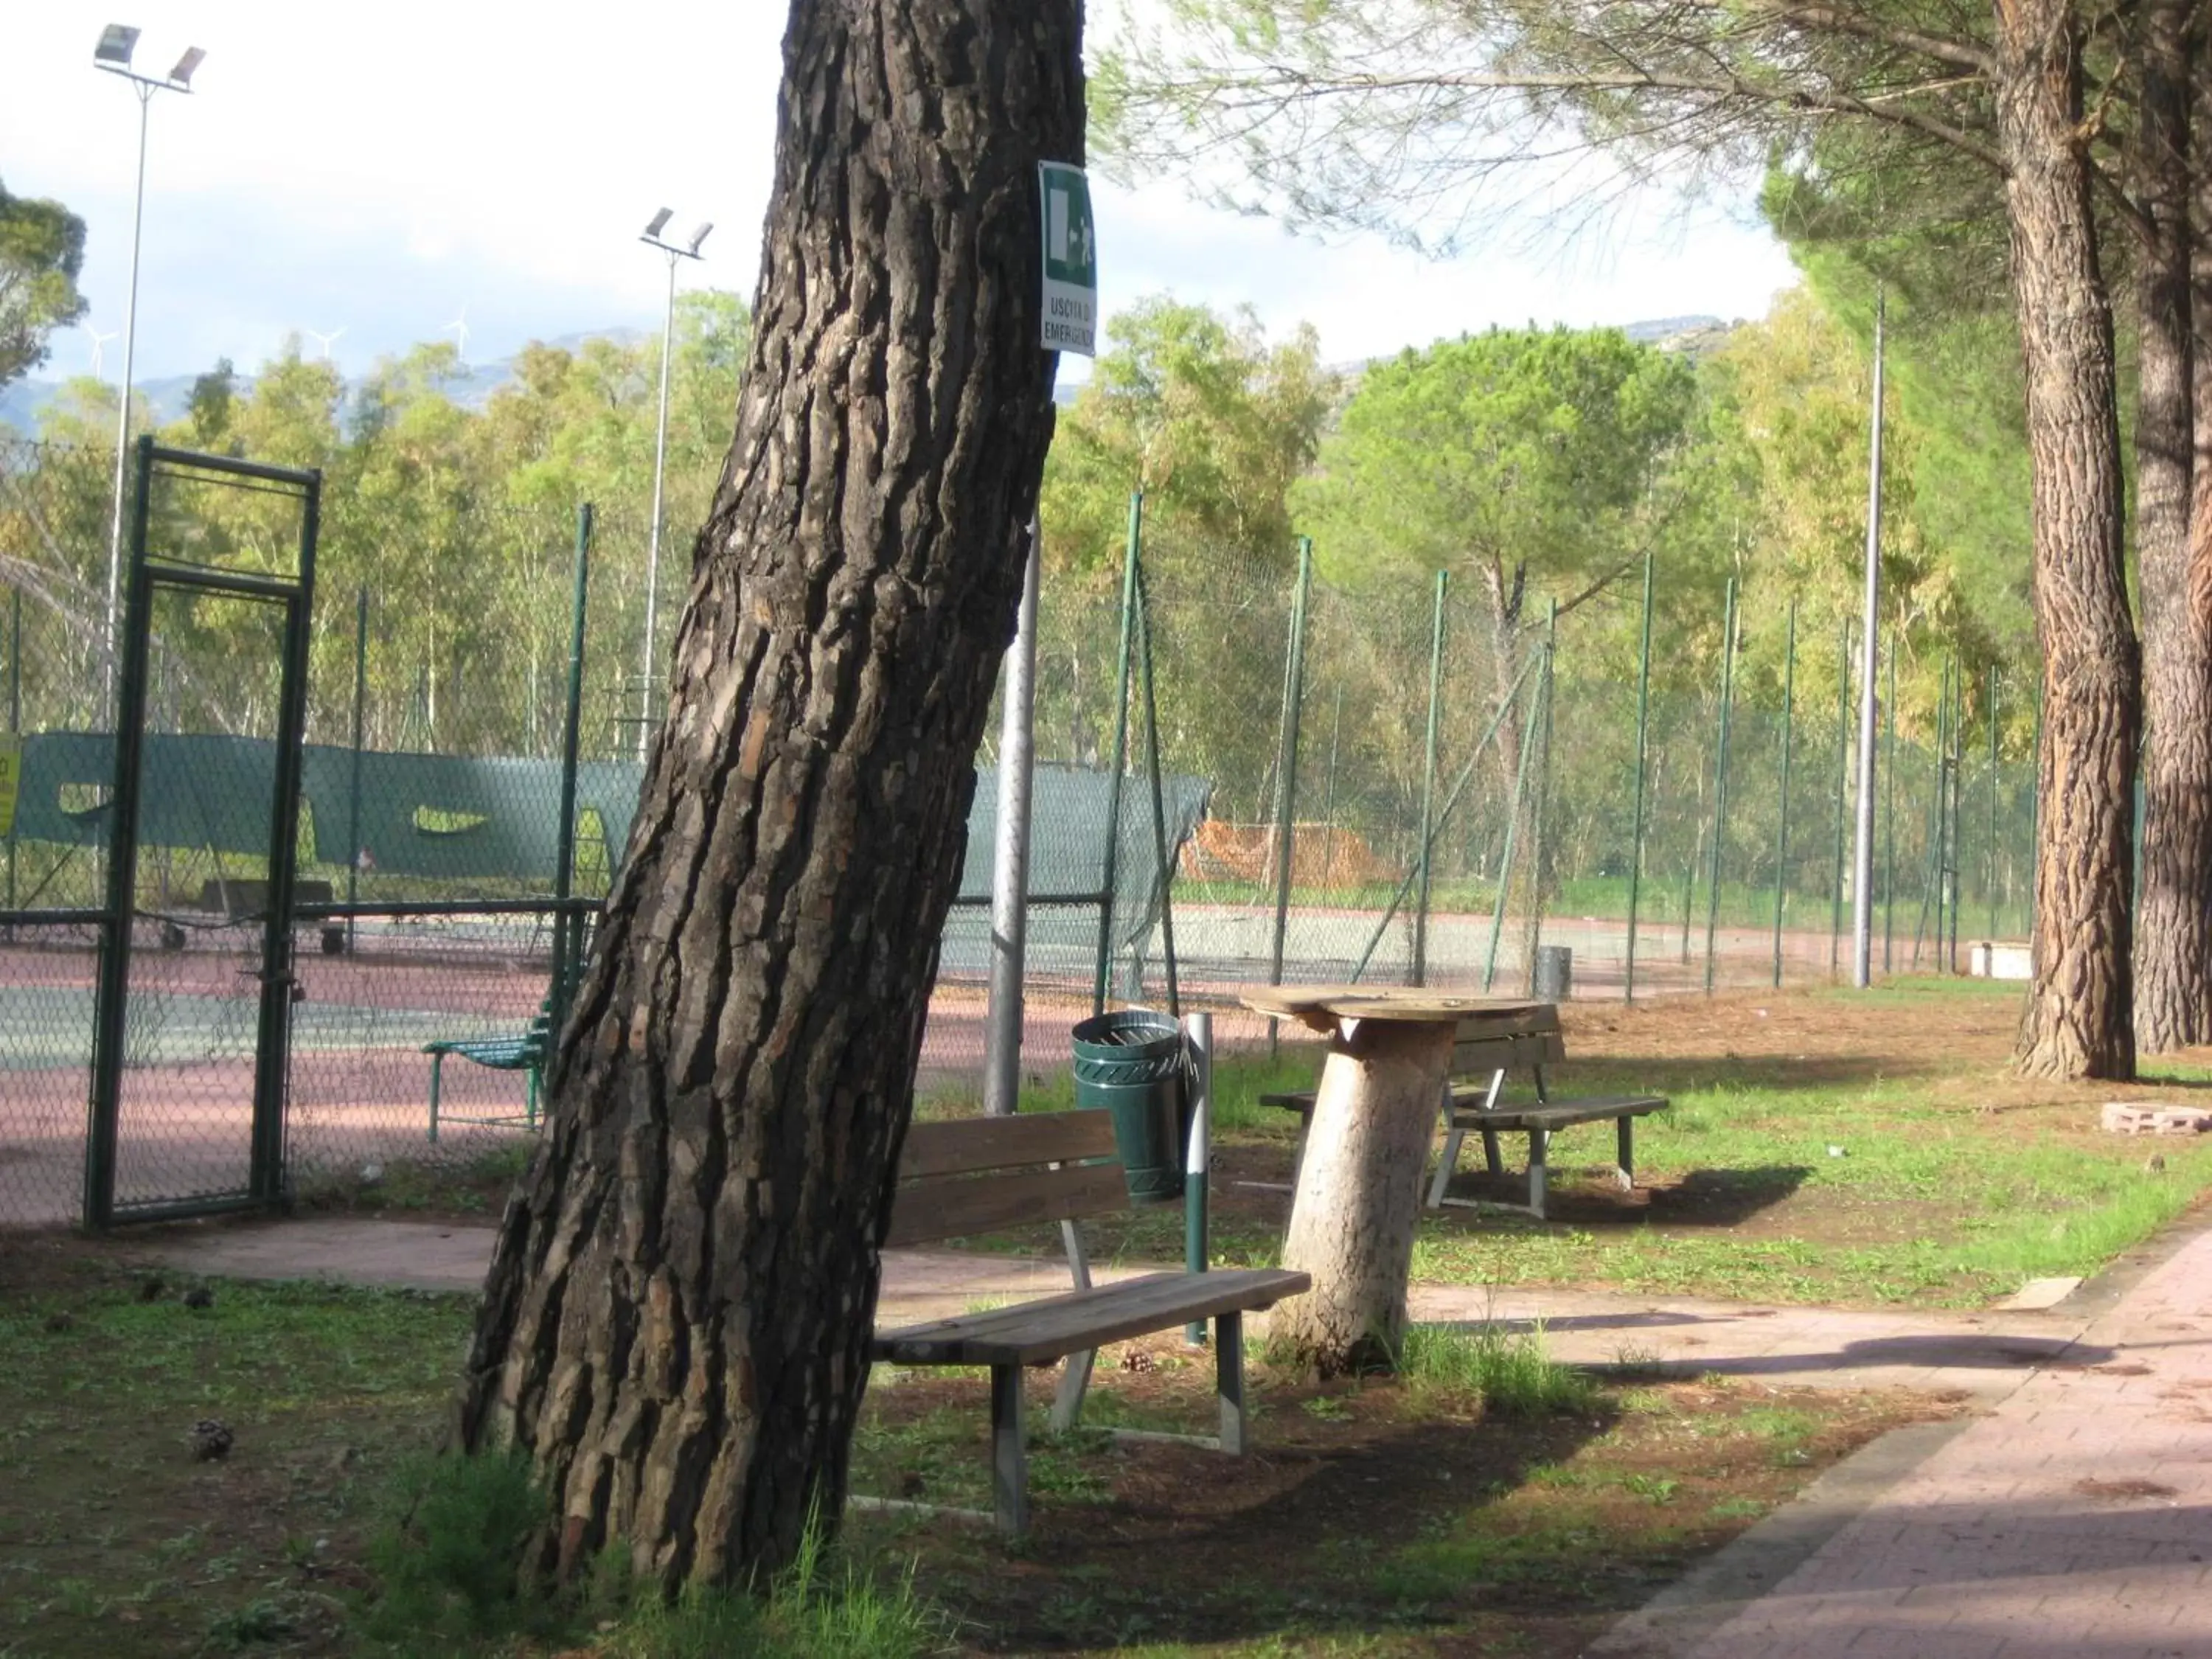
[
  {"x": 1136, "y": 1359},
  {"x": 210, "y": 1440}
]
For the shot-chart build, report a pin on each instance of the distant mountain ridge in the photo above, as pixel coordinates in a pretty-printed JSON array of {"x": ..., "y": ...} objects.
[{"x": 171, "y": 395}]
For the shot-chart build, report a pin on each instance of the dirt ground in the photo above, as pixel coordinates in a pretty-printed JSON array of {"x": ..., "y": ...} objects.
[{"x": 1367, "y": 1511}]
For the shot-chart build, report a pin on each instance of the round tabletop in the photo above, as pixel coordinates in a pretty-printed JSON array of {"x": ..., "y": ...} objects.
[{"x": 1324, "y": 1006}]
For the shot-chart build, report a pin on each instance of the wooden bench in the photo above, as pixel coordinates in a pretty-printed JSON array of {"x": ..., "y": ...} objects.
[
  {"x": 1484, "y": 1050},
  {"x": 527, "y": 1051},
  {"x": 981, "y": 1175}
]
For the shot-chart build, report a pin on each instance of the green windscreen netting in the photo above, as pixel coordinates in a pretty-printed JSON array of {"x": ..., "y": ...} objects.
[{"x": 444, "y": 817}]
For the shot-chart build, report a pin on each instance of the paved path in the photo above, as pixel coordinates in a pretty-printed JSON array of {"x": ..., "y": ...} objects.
[
  {"x": 1982, "y": 1354},
  {"x": 2074, "y": 1519}
]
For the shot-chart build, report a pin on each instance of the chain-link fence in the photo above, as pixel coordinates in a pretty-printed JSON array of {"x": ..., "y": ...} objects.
[{"x": 1397, "y": 780}]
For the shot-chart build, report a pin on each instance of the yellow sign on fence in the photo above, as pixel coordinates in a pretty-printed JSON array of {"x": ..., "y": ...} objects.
[{"x": 11, "y": 777}]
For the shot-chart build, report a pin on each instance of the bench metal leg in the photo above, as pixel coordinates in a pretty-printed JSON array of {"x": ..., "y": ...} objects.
[
  {"x": 1489, "y": 1152},
  {"x": 1625, "y": 1147},
  {"x": 1445, "y": 1166},
  {"x": 1229, "y": 1379},
  {"x": 1539, "y": 1145},
  {"x": 437, "y": 1065},
  {"x": 1075, "y": 1372},
  {"x": 1010, "y": 1474}
]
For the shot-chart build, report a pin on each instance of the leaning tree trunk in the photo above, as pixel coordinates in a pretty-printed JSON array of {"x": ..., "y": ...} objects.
[
  {"x": 2172, "y": 948},
  {"x": 675, "y": 1324},
  {"x": 2077, "y": 1022}
]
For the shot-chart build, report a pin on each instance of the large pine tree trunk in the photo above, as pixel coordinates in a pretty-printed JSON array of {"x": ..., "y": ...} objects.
[
  {"x": 2077, "y": 1022},
  {"x": 675, "y": 1324},
  {"x": 2174, "y": 953}
]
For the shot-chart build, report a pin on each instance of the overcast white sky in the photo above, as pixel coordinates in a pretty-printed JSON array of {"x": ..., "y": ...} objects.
[{"x": 387, "y": 169}]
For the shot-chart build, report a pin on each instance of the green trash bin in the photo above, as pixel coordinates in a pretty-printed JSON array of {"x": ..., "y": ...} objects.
[{"x": 1131, "y": 1063}]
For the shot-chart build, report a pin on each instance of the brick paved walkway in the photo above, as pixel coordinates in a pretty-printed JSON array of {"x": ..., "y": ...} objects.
[{"x": 2075, "y": 1519}]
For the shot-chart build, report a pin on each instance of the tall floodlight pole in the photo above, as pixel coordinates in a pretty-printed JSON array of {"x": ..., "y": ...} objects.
[
  {"x": 690, "y": 251},
  {"x": 113, "y": 56},
  {"x": 1863, "y": 851}
]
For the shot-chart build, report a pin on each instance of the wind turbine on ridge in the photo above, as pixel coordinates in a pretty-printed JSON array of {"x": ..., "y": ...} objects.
[
  {"x": 98, "y": 340},
  {"x": 459, "y": 327},
  {"x": 326, "y": 341}
]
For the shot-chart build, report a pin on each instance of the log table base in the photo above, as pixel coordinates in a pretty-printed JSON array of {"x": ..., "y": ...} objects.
[{"x": 1360, "y": 1192}]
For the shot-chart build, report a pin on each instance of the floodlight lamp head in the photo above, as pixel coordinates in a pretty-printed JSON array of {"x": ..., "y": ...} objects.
[
  {"x": 699, "y": 236},
  {"x": 182, "y": 74},
  {"x": 660, "y": 222},
  {"x": 117, "y": 42}
]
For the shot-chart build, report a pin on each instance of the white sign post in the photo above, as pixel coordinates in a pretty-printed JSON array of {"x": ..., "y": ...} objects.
[{"x": 1070, "y": 314}]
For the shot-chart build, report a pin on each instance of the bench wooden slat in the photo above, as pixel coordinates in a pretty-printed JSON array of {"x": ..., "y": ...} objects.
[
  {"x": 1513, "y": 1051},
  {"x": 1035, "y": 1332},
  {"x": 964, "y": 1145},
  {"x": 956, "y": 1206},
  {"x": 1561, "y": 1115}
]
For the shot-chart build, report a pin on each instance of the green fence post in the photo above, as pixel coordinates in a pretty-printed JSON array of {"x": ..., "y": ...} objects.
[
  {"x": 110, "y": 1024},
  {"x": 1642, "y": 754},
  {"x": 1420, "y": 965},
  {"x": 1931, "y": 879},
  {"x": 1990, "y": 874},
  {"x": 1120, "y": 754},
  {"x": 1539, "y": 824},
  {"x": 353, "y": 786},
  {"x": 1512, "y": 825},
  {"x": 1944, "y": 826},
  {"x": 2035, "y": 815},
  {"x": 1329, "y": 800},
  {"x": 567, "y": 934},
  {"x": 1782, "y": 846},
  {"x": 1958, "y": 805},
  {"x": 1165, "y": 870},
  {"x": 1720, "y": 782},
  {"x": 1842, "y": 795},
  {"x": 14, "y": 710},
  {"x": 1889, "y": 815},
  {"x": 1286, "y": 769}
]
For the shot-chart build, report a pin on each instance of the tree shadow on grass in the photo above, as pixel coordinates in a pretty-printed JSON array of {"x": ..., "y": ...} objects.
[
  {"x": 1780, "y": 1074},
  {"x": 1703, "y": 1198},
  {"x": 1301, "y": 1537}
]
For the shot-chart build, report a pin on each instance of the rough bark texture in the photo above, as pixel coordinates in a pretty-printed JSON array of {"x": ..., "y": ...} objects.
[
  {"x": 676, "y": 1321},
  {"x": 1359, "y": 1194},
  {"x": 2173, "y": 951},
  {"x": 2077, "y": 1021}
]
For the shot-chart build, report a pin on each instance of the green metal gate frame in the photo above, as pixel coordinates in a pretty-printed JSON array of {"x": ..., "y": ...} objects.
[{"x": 266, "y": 1164}]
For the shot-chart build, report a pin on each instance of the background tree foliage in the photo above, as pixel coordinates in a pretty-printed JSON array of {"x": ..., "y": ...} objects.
[{"x": 41, "y": 252}]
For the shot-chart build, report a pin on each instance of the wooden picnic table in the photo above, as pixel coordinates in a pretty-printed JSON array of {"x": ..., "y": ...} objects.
[{"x": 1358, "y": 1189}]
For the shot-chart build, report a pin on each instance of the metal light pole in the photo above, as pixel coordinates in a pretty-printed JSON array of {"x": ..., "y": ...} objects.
[
  {"x": 1863, "y": 851},
  {"x": 113, "y": 56},
  {"x": 652, "y": 239},
  {"x": 1009, "y": 878}
]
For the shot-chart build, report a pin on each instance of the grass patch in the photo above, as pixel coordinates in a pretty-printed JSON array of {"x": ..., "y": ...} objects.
[
  {"x": 330, "y": 1529},
  {"x": 1508, "y": 1371}
]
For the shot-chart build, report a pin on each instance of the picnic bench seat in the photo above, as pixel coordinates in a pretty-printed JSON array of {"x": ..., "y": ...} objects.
[
  {"x": 979, "y": 1175},
  {"x": 1484, "y": 1049},
  {"x": 526, "y": 1051}
]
